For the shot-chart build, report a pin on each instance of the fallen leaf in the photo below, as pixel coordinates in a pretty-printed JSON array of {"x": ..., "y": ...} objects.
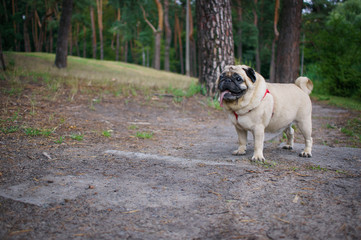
[
  {"x": 133, "y": 211},
  {"x": 20, "y": 231},
  {"x": 296, "y": 198},
  {"x": 282, "y": 220},
  {"x": 246, "y": 220}
]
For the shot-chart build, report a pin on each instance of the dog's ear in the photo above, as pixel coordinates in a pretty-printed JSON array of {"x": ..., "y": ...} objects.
[{"x": 250, "y": 73}]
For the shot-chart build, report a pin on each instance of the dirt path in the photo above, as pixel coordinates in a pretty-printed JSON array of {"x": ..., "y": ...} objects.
[{"x": 181, "y": 183}]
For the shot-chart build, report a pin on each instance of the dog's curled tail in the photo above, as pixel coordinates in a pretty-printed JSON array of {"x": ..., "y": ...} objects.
[{"x": 305, "y": 84}]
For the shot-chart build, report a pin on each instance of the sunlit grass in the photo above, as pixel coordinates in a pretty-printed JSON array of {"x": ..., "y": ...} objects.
[{"x": 98, "y": 73}]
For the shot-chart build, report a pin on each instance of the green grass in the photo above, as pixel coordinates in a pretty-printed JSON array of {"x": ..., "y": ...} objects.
[
  {"x": 144, "y": 135},
  {"x": 77, "y": 137},
  {"x": 107, "y": 133},
  {"x": 34, "y": 132},
  {"x": 349, "y": 103},
  {"x": 96, "y": 72},
  {"x": 60, "y": 140},
  {"x": 318, "y": 168},
  {"x": 10, "y": 129},
  {"x": 213, "y": 103},
  {"x": 353, "y": 129}
]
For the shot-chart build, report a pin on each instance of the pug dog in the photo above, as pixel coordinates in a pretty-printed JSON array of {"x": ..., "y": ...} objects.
[{"x": 256, "y": 106}]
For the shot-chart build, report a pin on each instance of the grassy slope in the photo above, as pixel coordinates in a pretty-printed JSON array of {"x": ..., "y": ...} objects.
[{"x": 98, "y": 72}]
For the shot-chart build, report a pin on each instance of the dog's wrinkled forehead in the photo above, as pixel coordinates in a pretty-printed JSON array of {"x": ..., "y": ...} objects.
[{"x": 242, "y": 70}]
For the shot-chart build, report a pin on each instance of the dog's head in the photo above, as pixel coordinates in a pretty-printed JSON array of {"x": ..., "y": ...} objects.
[{"x": 234, "y": 82}]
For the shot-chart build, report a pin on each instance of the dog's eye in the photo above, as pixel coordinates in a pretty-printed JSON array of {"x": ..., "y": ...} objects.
[{"x": 237, "y": 77}]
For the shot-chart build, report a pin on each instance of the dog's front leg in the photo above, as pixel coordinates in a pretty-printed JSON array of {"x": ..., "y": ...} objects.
[
  {"x": 242, "y": 140},
  {"x": 258, "y": 136}
]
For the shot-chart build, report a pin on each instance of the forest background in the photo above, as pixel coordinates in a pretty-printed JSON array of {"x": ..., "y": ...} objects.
[{"x": 125, "y": 30}]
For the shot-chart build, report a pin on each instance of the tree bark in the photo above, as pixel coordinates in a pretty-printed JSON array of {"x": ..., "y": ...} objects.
[
  {"x": 84, "y": 41},
  {"x": 70, "y": 39},
  {"x": 17, "y": 48},
  {"x": 239, "y": 31},
  {"x": 187, "y": 39},
  {"x": 255, "y": 22},
  {"x": 27, "y": 46},
  {"x": 94, "y": 33},
  {"x": 117, "y": 47},
  {"x": 168, "y": 35},
  {"x": 178, "y": 30},
  {"x": 215, "y": 40},
  {"x": 62, "y": 43},
  {"x": 192, "y": 46},
  {"x": 288, "y": 49},
  {"x": 100, "y": 25},
  {"x": 2, "y": 61},
  {"x": 276, "y": 33},
  {"x": 76, "y": 40},
  {"x": 157, "y": 33}
]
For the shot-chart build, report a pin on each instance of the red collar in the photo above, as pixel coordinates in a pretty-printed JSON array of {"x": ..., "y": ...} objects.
[{"x": 267, "y": 91}]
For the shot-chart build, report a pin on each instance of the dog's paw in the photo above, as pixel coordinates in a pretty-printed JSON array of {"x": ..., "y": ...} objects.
[
  {"x": 239, "y": 151},
  {"x": 258, "y": 158},
  {"x": 305, "y": 154},
  {"x": 288, "y": 147}
]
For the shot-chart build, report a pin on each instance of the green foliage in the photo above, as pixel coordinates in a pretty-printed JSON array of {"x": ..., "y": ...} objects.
[
  {"x": 77, "y": 137},
  {"x": 34, "y": 132},
  {"x": 107, "y": 133},
  {"x": 10, "y": 129},
  {"x": 213, "y": 103},
  {"x": 144, "y": 135},
  {"x": 339, "y": 52},
  {"x": 60, "y": 140}
]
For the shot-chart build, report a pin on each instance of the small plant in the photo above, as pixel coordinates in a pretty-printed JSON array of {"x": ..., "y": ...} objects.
[
  {"x": 133, "y": 127},
  {"x": 34, "y": 132},
  {"x": 214, "y": 103},
  {"x": 318, "y": 167},
  {"x": 78, "y": 137},
  {"x": 59, "y": 141},
  {"x": 178, "y": 99},
  {"x": 10, "y": 129},
  {"x": 107, "y": 133},
  {"x": 144, "y": 135},
  {"x": 193, "y": 89}
]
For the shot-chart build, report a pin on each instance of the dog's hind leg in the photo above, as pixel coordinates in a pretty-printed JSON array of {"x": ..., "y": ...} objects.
[
  {"x": 290, "y": 133},
  {"x": 306, "y": 129}
]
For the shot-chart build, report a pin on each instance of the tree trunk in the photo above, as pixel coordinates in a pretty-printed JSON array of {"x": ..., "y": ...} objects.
[
  {"x": 192, "y": 46},
  {"x": 62, "y": 43},
  {"x": 215, "y": 40},
  {"x": 273, "y": 54},
  {"x": 126, "y": 51},
  {"x": 255, "y": 22},
  {"x": 239, "y": 31},
  {"x": 288, "y": 49},
  {"x": 76, "y": 40},
  {"x": 100, "y": 25},
  {"x": 178, "y": 30},
  {"x": 2, "y": 61},
  {"x": 70, "y": 39},
  {"x": 27, "y": 46},
  {"x": 84, "y": 41},
  {"x": 187, "y": 39},
  {"x": 94, "y": 33},
  {"x": 117, "y": 38},
  {"x": 157, "y": 33},
  {"x": 13, "y": 3},
  {"x": 168, "y": 35}
]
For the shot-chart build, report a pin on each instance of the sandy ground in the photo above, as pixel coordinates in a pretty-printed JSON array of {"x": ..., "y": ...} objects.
[{"x": 181, "y": 183}]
